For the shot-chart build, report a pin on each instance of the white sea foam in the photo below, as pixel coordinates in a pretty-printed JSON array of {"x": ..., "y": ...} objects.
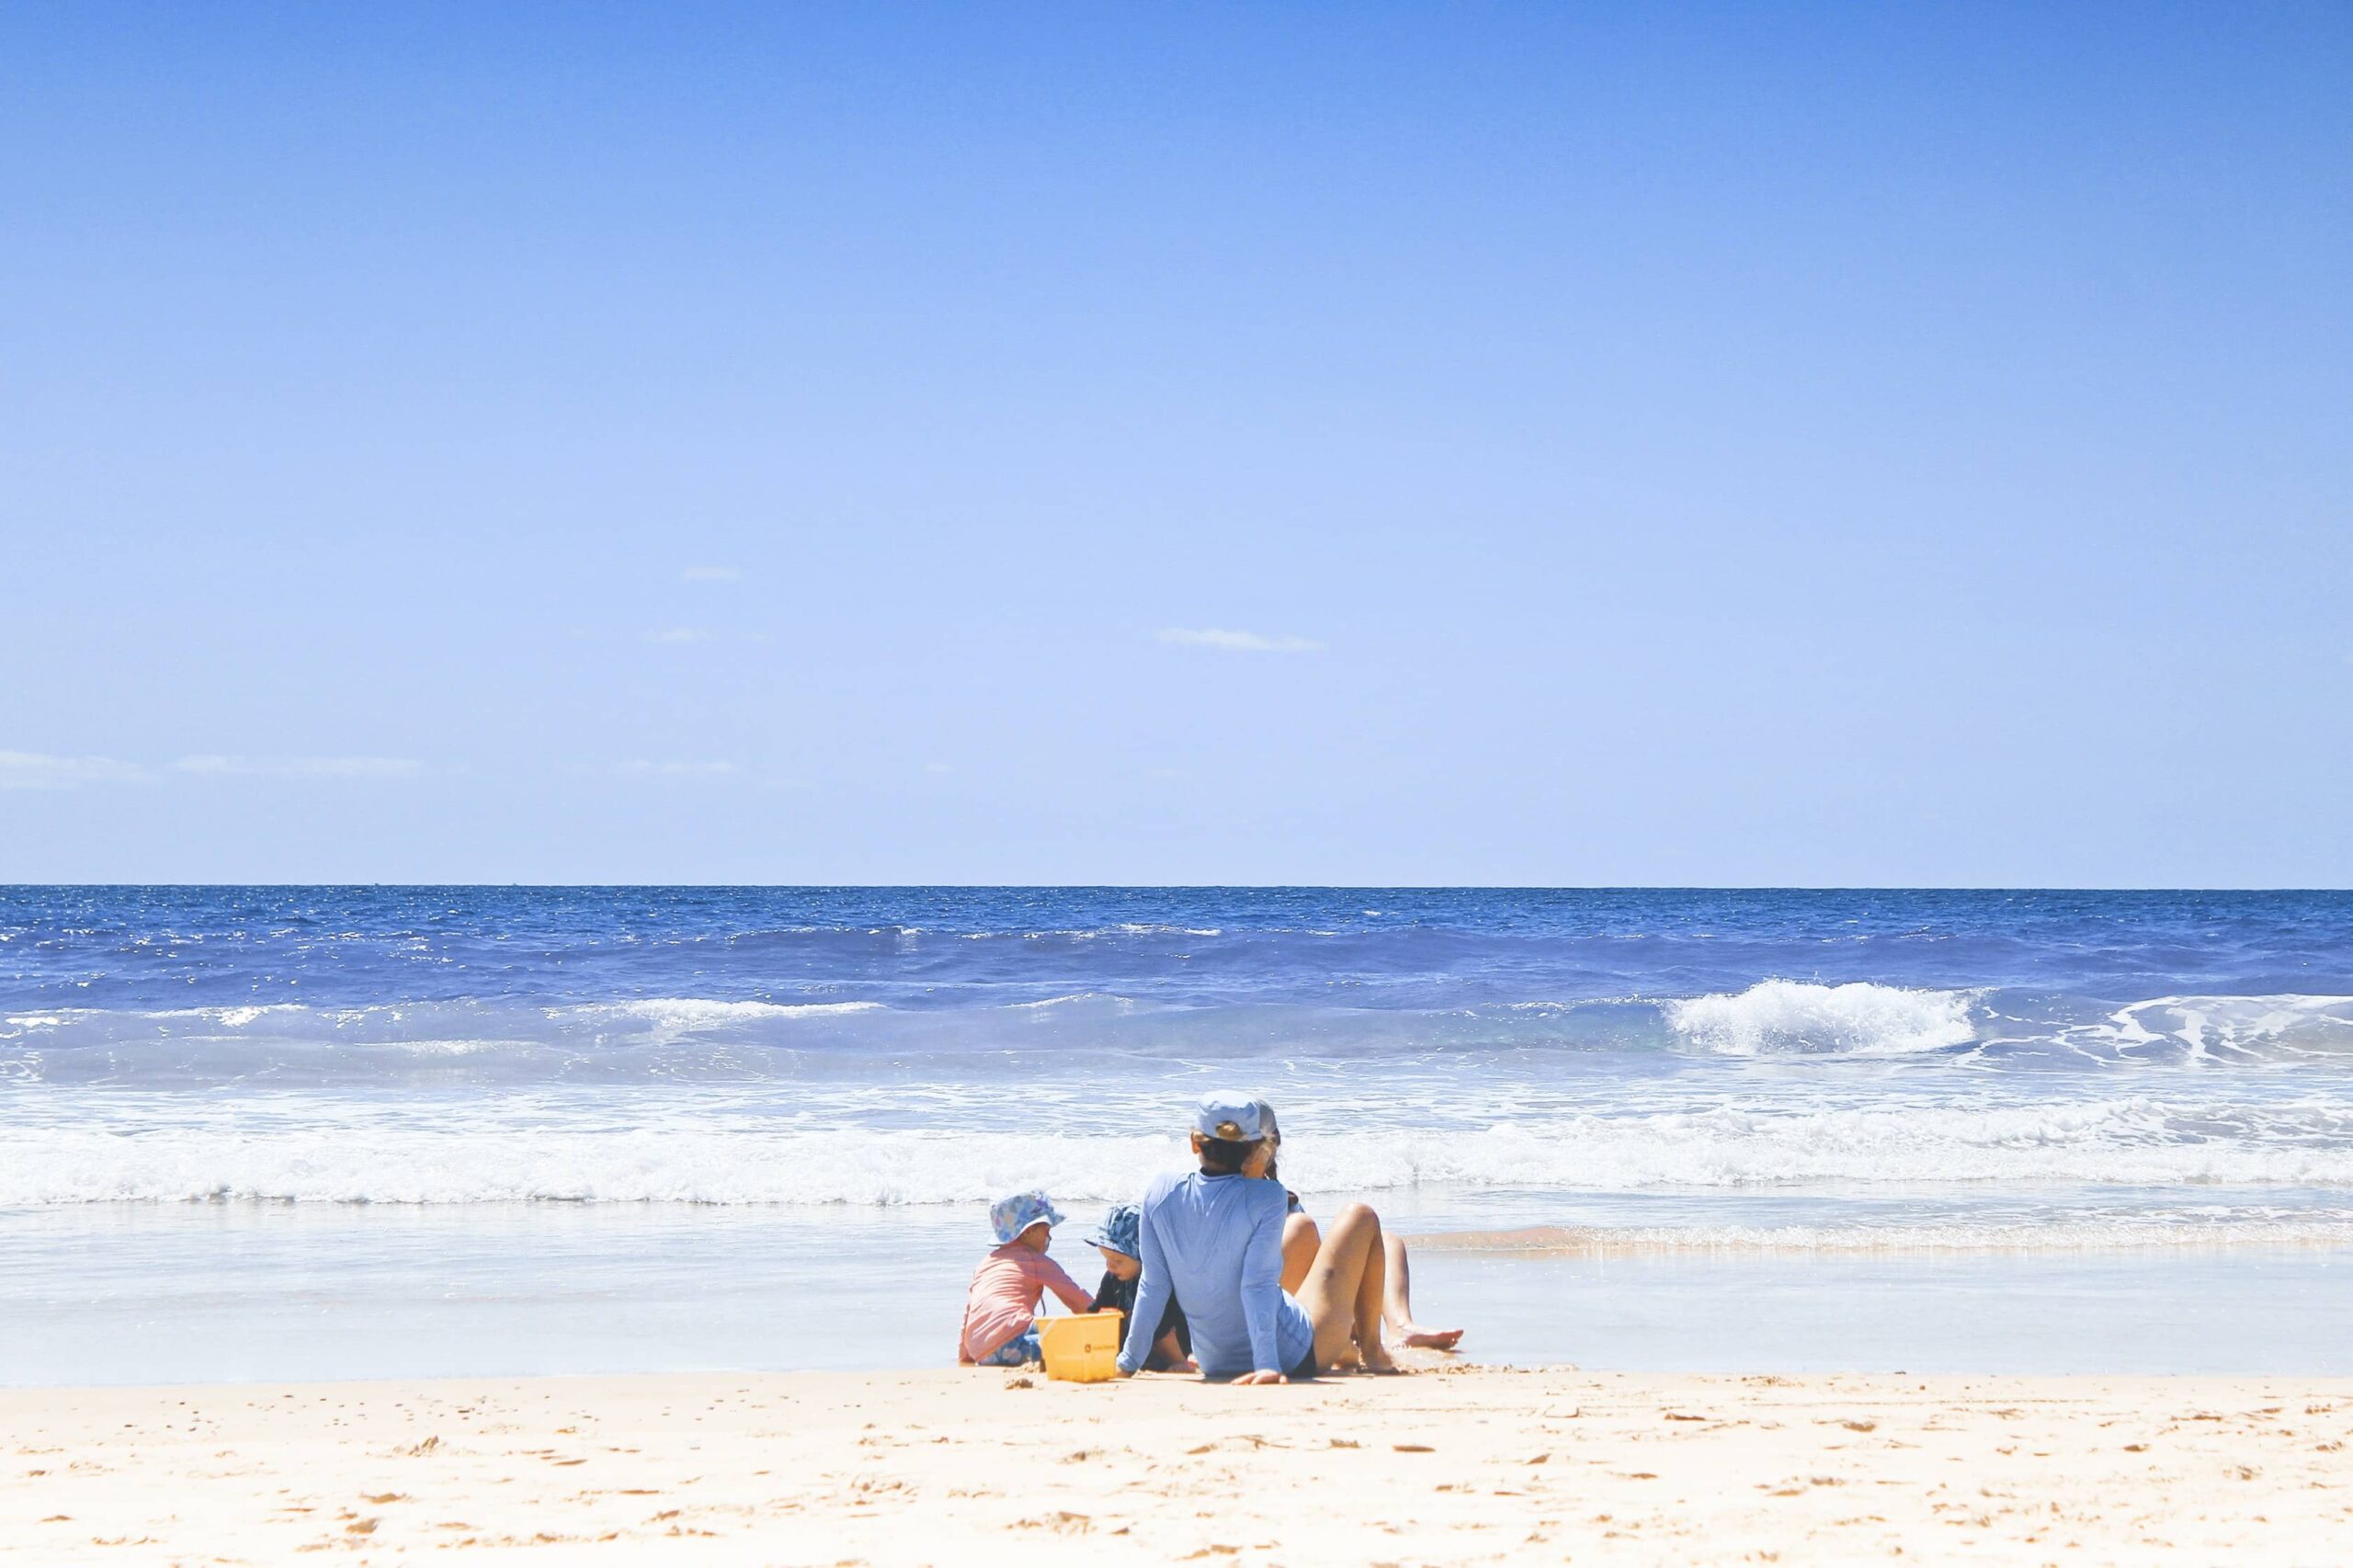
[
  {"x": 457, "y": 1162},
  {"x": 2232, "y": 1028},
  {"x": 689, "y": 1012},
  {"x": 266, "y": 1032},
  {"x": 856, "y": 1148},
  {"x": 1786, "y": 1017},
  {"x": 1085, "y": 999},
  {"x": 230, "y": 1017}
]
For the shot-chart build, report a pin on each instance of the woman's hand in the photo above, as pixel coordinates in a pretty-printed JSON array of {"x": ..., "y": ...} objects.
[{"x": 1262, "y": 1377}]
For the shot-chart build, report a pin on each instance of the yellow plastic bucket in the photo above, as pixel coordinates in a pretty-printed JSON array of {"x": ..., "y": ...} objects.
[{"x": 1083, "y": 1348}]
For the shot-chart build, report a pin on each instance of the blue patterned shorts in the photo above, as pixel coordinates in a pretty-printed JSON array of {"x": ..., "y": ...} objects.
[{"x": 1017, "y": 1351}]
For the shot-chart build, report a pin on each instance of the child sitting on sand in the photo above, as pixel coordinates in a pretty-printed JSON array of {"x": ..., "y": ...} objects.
[
  {"x": 1115, "y": 1238},
  {"x": 1001, "y": 1307}
]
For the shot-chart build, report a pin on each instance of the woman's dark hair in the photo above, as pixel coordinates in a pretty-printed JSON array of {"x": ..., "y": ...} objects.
[{"x": 1225, "y": 1156}]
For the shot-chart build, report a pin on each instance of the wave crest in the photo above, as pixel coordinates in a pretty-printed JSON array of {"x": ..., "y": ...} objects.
[{"x": 1788, "y": 1017}]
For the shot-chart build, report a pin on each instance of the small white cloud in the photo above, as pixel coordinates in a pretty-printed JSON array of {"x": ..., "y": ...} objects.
[
  {"x": 642, "y": 768},
  {"x": 676, "y": 634},
  {"x": 1236, "y": 641},
  {"x": 40, "y": 770},
  {"x": 711, "y": 574},
  {"x": 216, "y": 767}
]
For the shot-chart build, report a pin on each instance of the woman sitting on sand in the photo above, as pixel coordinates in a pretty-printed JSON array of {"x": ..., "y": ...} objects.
[
  {"x": 1302, "y": 1239},
  {"x": 1213, "y": 1240}
]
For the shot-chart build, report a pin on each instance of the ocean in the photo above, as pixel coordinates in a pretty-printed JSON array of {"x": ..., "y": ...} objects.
[{"x": 346, "y": 1131}]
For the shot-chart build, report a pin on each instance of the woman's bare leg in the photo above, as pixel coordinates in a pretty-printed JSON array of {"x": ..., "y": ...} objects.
[
  {"x": 1343, "y": 1293},
  {"x": 1398, "y": 1306},
  {"x": 1301, "y": 1238}
]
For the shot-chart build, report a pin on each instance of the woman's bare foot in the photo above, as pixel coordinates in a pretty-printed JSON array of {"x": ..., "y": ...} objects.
[
  {"x": 1376, "y": 1360},
  {"x": 1422, "y": 1338}
]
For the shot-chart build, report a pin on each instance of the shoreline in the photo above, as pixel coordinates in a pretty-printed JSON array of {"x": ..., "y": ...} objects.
[
  {"x": 130, "y": 1297},
  {"x": 1451, "y": 1464},
  {"x": 1799, "y": 1242}
]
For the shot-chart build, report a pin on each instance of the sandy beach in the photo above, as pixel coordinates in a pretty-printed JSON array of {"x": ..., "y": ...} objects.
[{"x": 1445, "y": 1466}]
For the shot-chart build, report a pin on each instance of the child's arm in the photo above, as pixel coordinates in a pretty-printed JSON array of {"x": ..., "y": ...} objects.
[{"x": 1073, "y": 1294}]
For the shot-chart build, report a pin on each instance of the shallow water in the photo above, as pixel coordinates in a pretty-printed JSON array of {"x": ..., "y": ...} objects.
[{"x": 143, "y": 1294}]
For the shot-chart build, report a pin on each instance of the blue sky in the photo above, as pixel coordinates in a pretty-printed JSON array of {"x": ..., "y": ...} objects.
[{"x": 1607, "y": 444}]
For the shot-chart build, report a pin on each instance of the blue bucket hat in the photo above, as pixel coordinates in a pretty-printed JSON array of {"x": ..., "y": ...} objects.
[
  {"x": 1008, "y": 1217},
  {"x": 1122, "y": 1231}
]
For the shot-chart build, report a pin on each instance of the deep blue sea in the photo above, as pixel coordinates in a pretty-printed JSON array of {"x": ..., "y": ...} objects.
[{"x": 827, "y": 1072}]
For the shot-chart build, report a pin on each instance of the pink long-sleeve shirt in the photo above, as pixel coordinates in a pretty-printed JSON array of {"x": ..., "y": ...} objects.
[{"x": 1006, "y": 1290}]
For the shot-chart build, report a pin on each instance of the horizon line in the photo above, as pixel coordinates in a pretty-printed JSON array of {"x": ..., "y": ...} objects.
[{"x": 1212, "y": 887}]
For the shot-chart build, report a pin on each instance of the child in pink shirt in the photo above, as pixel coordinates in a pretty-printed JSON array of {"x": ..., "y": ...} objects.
[{"x": 1001, "y": 1308}]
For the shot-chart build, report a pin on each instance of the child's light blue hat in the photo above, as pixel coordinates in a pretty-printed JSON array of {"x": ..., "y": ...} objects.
[
  {"x": 1122, "y": 1231},
  {"x": 1011, "y": 1216}
]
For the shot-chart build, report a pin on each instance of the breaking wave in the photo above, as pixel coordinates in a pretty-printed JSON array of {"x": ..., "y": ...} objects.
[
  {"x": 391, "y": 1045},
  {"x": 1784, "y": 1018},
  {"x": 874, "y": 1150}
]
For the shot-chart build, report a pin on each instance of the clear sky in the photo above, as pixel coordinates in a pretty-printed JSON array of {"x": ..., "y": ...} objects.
[{"x": 1315, "y": 443}]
